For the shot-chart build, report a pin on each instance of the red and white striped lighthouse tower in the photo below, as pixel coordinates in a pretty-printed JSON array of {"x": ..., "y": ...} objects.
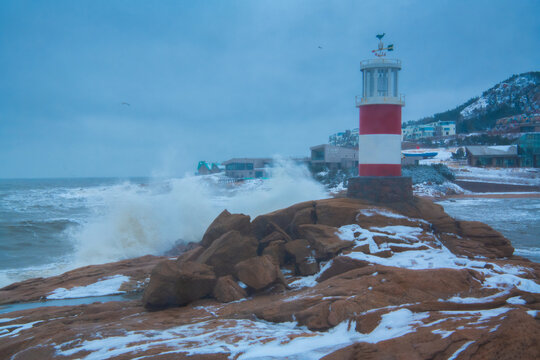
[
  {"x": 379, "y": 142},
  {"x": 380, "y": 115}
]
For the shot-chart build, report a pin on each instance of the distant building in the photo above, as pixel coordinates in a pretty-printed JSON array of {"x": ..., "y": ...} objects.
[
  {"x": 334, "y": 157},
  {"x": 529, "y": 150},
  {"x": 493, "y": 156},
  {"x": 347, "y": 138},
  {"x": 445, "y": 128},
  {"x": 204, "y": 169},
  {"x": 435, "y": 129},
  {"x": 247, "y": 168}
]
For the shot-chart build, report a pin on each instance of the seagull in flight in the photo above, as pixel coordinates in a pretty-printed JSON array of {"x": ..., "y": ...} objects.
[
  {"x": 125, "y": 103},
  {"x": 320, "y": 47}
]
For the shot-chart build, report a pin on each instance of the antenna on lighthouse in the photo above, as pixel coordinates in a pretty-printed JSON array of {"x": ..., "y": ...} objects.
[{"x": 380, "y": 51}]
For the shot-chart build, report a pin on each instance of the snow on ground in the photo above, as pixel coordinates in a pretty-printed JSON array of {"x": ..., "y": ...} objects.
[
  {"x": 512, "y": 176},
  {"x": 107, "y": 286},
  {"x": 246, "y": 339},
  {"x": 438, "y": 190},
  {"x": 435, "y": 257}
]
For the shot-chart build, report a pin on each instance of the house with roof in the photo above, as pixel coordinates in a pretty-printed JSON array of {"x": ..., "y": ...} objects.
[
  {"x": 203, "y": 168},
  {"x": 492, "y": 156}
]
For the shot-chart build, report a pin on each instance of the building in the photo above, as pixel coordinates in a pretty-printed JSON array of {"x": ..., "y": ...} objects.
[
  {"x": 445, "y": 128},
  {"x": 333, "y": 157},
  {"x": 247, "y": 168},
  {"x": 204, "y": 169},
  {"x": 493, "y": 156},
  {"x": 380, "y": 105},
  {"x": 379, "y": 135},
  {"x": 435, "y": 129},
  {"x": 347, "y": 138},
  {"x": 529, "y": 150}
]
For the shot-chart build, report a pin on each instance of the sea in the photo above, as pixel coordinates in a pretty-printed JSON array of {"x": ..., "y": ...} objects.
[{"x": 49, "y": 226}]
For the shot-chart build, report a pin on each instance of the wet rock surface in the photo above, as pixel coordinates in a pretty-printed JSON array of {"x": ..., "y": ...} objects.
[{"x": 333, "y": 279}]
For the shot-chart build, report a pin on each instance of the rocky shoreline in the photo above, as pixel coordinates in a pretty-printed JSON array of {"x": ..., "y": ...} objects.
[{"x": 335, "y": 279}]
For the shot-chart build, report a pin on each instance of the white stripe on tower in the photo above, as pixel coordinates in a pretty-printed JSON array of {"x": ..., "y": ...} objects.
[{"x": 379, "y": 149}]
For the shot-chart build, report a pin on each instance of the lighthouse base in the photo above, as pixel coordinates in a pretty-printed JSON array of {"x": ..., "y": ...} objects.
[{"x": 381, "y": 188}]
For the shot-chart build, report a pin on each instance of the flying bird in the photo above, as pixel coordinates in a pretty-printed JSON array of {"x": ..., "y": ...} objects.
[
  {"x": 320, "y": 47},
  {"x": 127, "y": 104}
]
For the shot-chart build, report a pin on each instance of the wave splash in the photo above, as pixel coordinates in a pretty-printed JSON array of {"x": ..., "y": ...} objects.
[{"x": 152, "y": 219}]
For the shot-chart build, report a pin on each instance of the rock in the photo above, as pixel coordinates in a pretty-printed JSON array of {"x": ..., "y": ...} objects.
[
  {"x": 264, "y": 225},
  {"x": 191, "y": 255},
  {"x": 224, "y": 223},
  {"x": 340, "y": 265},
  {"x": 494, "y": 243},
  {"x": 257, "y": 272},
  {"x": 338, "y": 212},
  {"x": 178, "y": 284},
  {"x": 227, "y": 290},
  {"x": 323, "y": 240},
  {"x": 137, "y": 269},
  {"x": 277, "y": 234},
  {"x": 304, "y": 257},
  {"x": 276, "y": 250},
  {"x": 227, "y": 251}
]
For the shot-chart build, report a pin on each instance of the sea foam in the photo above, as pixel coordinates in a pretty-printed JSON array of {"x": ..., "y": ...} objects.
[{"x": 137, "y": 220}]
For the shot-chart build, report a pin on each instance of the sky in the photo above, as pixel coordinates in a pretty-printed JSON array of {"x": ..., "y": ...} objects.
[{"x": 212, "y": 80}]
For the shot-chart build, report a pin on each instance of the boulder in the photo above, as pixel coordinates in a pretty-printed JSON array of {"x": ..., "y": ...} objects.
[
  {"x": 227, "y": 290},
  {"x": 224, "y": 223},
  {"x": 178, "y": 284},
  {"x": 338, "y": 212},
  {"x": 276, "y": 250},
  {"x": 264, "y": 225},
  {"x": 340, "y": 265},
  {"x": 323, "y": 240},
  {"x": 191, "y": 255},
  {"x": 304, "y": 257},
  {"x": 227, "y": 251},
  {"x": 257, "y": 272}
]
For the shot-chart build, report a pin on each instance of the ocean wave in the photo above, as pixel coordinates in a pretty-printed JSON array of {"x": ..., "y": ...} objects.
[{"x": 152, "y": 219}]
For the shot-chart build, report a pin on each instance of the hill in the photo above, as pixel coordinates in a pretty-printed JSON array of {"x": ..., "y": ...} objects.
[{"x": 519, "y": 94}]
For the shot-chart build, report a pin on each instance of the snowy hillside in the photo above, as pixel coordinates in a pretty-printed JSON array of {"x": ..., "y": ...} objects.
[{"x": 520, "y": 92}]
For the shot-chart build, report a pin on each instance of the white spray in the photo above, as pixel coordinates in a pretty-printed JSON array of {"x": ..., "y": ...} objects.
[{"x": 140, "y": 221}]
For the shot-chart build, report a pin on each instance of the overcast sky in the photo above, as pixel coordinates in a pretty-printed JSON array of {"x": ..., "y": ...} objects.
[{"x": 212, "y": 80}]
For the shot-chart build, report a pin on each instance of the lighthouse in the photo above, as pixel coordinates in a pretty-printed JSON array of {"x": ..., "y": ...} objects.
[{"x": 379, "y": 140}]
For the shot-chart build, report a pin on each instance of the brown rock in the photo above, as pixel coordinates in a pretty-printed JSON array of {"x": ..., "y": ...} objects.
[
  {"x": 315, "y": 317},
  {"x": 304, "y": 257},
  {"x": 495, "y": 244},
  {"x": 307, "y": 267},
  {"x": 266, "y": 224},
  {"x": 323, "y": 240},
  {"x": 191, "y": 255},
  {"x": 338, "y": 212},
  {"x": 276, "y": 250},
  {"x": 174, "y": 284},
  {"x": 340, "y": 265},
  {"x": 257, "y": 272},
  {"x": 227, "y": 251},
  {"x": 224, "y": 223},
  {"x": 227, "y": 290},
  {"x": 368, "y": 322}
]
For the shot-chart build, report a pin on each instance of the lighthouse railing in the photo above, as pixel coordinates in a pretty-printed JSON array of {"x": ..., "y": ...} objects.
[{"x": 366, "y": 100}]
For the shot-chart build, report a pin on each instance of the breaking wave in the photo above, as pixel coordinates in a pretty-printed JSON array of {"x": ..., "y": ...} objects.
[{"x": 138, "y": 220}]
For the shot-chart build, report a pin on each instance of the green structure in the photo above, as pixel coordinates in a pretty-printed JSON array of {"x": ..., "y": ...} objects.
[{"x": 529, "y": 150}]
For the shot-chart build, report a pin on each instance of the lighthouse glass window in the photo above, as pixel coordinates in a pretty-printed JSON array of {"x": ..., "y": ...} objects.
[{"x": 382, "y": 82}]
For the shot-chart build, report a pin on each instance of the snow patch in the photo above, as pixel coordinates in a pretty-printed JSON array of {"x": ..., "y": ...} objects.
[{"x": 107, "y": 286}]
